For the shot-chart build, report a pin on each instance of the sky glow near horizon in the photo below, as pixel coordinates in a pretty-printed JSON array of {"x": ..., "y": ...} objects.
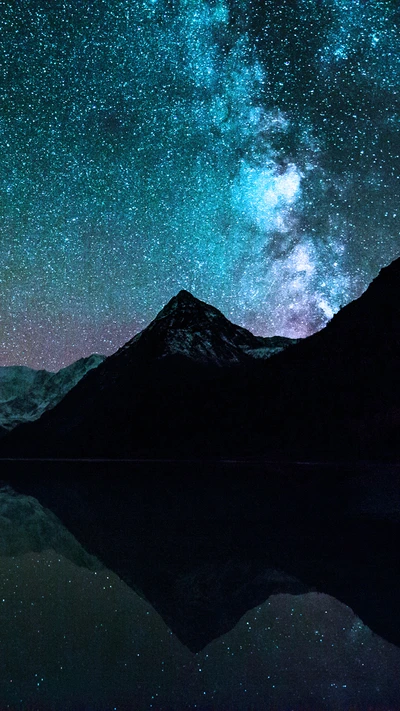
[{"x": 245, "y": 151}]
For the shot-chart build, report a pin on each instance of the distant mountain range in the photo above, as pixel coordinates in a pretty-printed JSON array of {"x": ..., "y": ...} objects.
[
  {"x": 25, "y": 393},
  {"x": 192, "y": 384}
]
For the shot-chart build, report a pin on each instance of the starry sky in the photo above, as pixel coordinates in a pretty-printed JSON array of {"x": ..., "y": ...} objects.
[
  {"x": 245, "y": 150},
  {"x": 81, "y": 640}
]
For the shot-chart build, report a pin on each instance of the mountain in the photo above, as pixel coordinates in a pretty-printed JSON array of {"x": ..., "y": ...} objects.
[
  {"x": 26, "y": 393},
  {"x": 191, "y": 385},
  {"x": 342, "y": 384},
  {"x": 188, "y": 347},
  {"x": 189, "y": 327}
]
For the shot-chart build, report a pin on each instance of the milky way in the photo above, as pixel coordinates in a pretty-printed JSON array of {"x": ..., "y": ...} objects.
[{"x": 246, "y": 151}]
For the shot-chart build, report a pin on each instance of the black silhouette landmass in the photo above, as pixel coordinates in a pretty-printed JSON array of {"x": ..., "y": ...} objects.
[{"x": 189, "y": 385}]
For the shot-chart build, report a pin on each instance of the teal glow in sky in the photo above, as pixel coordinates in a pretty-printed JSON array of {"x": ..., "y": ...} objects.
[{"x": 245, "y": 151}]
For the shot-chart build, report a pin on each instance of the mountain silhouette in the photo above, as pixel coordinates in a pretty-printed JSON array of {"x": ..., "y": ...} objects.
[
  {"x": 193, "y": 384},
  {"x": 342, "y": 383},
  {"x": 192, "y": 328},
  {"x": 140, "y": 394}
]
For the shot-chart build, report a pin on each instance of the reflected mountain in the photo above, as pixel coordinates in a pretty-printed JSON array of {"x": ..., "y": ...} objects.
[
  {"x": 205, "y": 542},
  {"x": 75, "y": 637}
]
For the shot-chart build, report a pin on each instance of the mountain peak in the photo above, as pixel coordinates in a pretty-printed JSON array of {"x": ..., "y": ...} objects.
[
  {"x": 192, "y": 328},
  {"x": 184, "y": 295},
  {"x": 183, "y": 300},
  {"x": 189, "y": 327},
  {"x": 186, "y": 311}
]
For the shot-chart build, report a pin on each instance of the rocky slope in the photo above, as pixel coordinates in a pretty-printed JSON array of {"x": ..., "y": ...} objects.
[
  {"x": 26, "y": 393},
  {"x": 189, "y": 327}
]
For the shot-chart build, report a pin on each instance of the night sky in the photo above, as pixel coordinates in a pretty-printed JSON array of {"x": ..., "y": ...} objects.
[{"x": 247, "y": 151}]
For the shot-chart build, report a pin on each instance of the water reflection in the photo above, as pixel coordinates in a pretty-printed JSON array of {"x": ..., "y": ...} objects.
[{"x": 74, "y": 636}]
